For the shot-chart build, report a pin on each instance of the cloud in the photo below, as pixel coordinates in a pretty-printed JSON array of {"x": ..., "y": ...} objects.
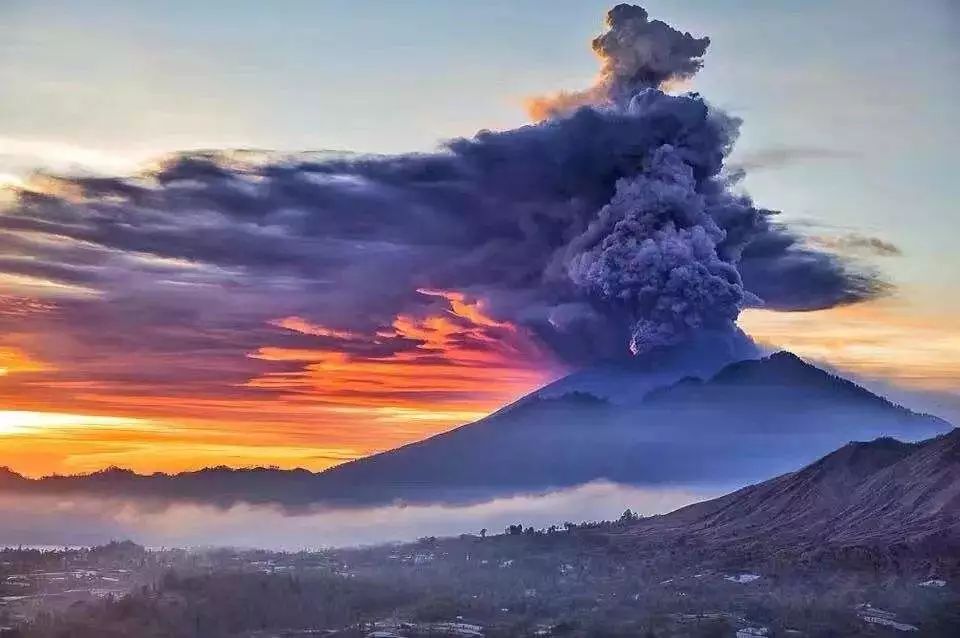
[
  {"x": 607, "y": 230},
  {"x": 301, "y": 325},
  {"x": 780, "y": 156},
  {"x": 88, "y": 521},
  {"x": 856, "y": 243},
  {"x": 526, "y": 220},
  {"x": 446, "y": 358}
]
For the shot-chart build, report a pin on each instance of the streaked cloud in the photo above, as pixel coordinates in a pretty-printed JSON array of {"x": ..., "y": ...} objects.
[
  {"x": 775, "y": 157},
  {"x": 858, "y": 244}
]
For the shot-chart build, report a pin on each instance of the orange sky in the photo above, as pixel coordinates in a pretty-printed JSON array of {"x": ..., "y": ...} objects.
[
  {"x": 321, "y": 406},
  {"x": 879, "y": 340},
  {"x": 158, "y": 350}
]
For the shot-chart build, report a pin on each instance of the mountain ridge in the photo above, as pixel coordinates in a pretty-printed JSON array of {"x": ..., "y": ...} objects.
[{"x": 879, "y": 493}]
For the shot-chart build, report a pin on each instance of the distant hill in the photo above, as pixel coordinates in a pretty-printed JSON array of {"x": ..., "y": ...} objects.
[
  {"x": 751, "y": 420},
  {"x": 220, "y": 486},
  {"x": 11, "y": 480}
]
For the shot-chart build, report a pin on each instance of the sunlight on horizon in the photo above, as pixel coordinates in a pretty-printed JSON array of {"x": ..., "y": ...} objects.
[
  {"x": 181, "y": 433},
  {"x": 877, "y": 340},
  {"x": 16, "y": 422}
]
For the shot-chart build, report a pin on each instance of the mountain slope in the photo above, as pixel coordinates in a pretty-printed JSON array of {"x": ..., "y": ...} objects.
[
  {"x": 920, "y": 494},
  {"x": 627, "y": 383},
  {"x": 883, "y": 492}
]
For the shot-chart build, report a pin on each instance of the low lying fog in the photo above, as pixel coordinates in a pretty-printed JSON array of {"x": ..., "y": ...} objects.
[{"x": 75, "y": 521}]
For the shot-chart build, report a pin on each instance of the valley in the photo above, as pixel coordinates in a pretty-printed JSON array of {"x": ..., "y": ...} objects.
[{"x": 800, "y": 554}]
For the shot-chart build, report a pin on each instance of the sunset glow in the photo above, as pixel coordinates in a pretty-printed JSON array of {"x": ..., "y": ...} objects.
[
  {"x": 310, "y": 407},
  {"x": 561, "y": 318},
  {"x": 13, "y": 422},
  {"x": 879, "y": 340},
  {"x": 190, "y": 276},
  {"x": 320, "y": 406}
]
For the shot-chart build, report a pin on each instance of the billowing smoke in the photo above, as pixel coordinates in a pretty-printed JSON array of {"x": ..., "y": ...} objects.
[
  {"x": 606, "y": 228},
  {"x": 636, "y": 53},
  {"x": 653, "y": 251}
]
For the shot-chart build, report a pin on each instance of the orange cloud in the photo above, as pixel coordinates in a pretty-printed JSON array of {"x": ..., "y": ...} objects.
[
  {"x": 301, "y": 325},
  {"x": 323, "y": 395},
  {"x": 461, "y": 357},
  {"x": 330, "y": 396},
  {"x": 543, "y": 107},
  {"x": 15, "y": 360}
]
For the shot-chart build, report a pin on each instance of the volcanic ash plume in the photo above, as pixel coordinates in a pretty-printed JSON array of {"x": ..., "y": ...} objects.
[
  {"x": 608, "y": 228},
  {"x": 635, "y": 53},
  {"x": 658, "y": 256}
]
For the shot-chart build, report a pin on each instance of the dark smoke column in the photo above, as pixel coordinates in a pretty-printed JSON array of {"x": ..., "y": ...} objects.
[{"x": 668, "y": 248}]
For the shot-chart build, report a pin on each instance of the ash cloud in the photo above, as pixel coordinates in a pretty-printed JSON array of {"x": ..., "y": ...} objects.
[
  {"x": 607, "y": 229},
  {"x": 636, "y": 53}
]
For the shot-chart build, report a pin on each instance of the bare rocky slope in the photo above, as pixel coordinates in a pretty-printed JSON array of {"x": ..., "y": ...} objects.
[{"x": 880, "y": 494}]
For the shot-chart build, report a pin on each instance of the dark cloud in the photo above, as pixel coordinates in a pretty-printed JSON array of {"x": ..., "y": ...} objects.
[
  {"x": 605, "y": 229},
  {"x": 787, "y": 274}
]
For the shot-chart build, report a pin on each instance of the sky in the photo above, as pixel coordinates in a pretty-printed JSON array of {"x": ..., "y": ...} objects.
[{"x": 848, "y": 128}]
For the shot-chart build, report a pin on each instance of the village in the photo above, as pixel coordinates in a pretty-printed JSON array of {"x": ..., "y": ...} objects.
[{"x": 572, "y": 581}]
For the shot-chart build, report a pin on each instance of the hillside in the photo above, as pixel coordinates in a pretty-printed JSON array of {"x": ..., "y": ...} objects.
[{"x": 881, "y": 493}]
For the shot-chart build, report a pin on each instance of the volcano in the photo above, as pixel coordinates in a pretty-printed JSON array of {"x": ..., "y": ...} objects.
[{"x": 749, "y": 420}]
